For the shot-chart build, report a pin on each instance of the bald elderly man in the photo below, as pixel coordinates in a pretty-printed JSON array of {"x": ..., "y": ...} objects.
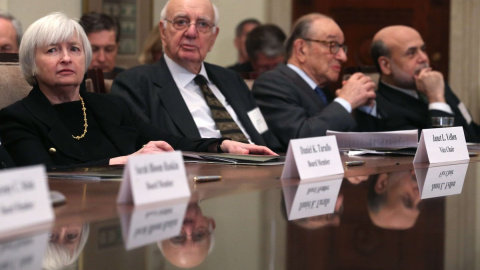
[{"x": 410, "y": 92}]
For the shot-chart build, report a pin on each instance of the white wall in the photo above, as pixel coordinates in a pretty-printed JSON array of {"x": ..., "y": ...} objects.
[
  {"x": 231, "y": 12},
  {"x": 28, "y": 11}
]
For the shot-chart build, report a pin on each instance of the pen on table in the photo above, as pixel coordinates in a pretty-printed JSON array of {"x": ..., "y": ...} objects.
[
  {"x": 207, "y": 178},
  {"x": 354, "y": 163}
]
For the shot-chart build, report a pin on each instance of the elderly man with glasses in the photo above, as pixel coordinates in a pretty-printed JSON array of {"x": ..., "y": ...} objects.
[
  {"x": 186, "y": 96},
  {"x": 293, "y": 97}
]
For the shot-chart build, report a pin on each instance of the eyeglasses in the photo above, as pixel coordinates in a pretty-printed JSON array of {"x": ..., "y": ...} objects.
[
  {"x": 332, "y": 45},
  {"x": 180, "y": 24},
  {"x": 198, "y": 235}
]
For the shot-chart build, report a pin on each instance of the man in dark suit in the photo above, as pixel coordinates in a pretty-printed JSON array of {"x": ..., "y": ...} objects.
[
  {"x": 172, "y": 95},
  {"x": 5, "y": 160},
  {"x": 291, "y": 96},
  {"x": 410, "y": 92}
]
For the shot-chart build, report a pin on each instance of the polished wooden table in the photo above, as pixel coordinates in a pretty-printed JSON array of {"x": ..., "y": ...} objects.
[{"x": 252, "y": 231}]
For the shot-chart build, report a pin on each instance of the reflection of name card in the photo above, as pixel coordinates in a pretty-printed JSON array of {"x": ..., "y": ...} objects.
[
  {"x": 439, "y": 145},
  {"x": 311, "y": 198},
  {"x": 441, "y": 181},
  {"x": 312, "y": 157},
  {"x": 153, "y": 223},
  {"x": 24, "y": 198},
  {"x": 154, "y": 178},
  {"x": 24, "y": 253}
]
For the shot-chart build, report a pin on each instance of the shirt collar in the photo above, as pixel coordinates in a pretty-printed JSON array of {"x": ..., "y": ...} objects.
[
  {"x": 303, "y": 75},
  {"x": 410, "y": 92},
  {"x": 182, "y": 76}
]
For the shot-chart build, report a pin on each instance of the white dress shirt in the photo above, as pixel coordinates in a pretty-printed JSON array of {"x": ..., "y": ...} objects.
[{"x": 198, "y": 107}]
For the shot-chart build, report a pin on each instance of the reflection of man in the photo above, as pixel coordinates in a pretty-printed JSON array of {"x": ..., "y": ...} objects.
[
  {"x": 393, "y": 200},
  {"x": 265, "y": 49},
  {"x": 66, "y": 244},
  {"x": 241, "y": 32},
  {"x": 10, "y": 33},
  {"x": 195, "y": 241},
  {"x": 293, "y": 97},
  {"x": 104, "y": 35},
  {"x": 185, "y": 96},
  {"x": 409, "y": 91}
]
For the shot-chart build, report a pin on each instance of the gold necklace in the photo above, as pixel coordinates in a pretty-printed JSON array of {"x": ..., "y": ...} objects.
[{"x": 84, "y": 120}]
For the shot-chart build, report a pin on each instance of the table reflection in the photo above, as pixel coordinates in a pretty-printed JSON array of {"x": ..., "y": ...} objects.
[
  {"x": 393, "y": 200},
  {"x": 65, "y": 245},
  {"x": 195, "y": 241}
]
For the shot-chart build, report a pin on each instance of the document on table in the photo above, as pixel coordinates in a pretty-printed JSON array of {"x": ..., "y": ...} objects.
[
  {"x": 226, "y": 158},
  {"x": 376, "y": 140}
]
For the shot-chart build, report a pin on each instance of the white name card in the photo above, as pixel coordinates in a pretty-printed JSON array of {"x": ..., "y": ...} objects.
[
  {"x": 311, "y": 199},
  {"x": 438, "y": 145},
  {"x": 25, "y": 253},
  {"x": 441, "y": 180},
  {"x": 153, "y": 223},
  {"x": 312, "y": 157},
  {"x": 24, "y": 198},
  {"x": 154, "y": 178}
]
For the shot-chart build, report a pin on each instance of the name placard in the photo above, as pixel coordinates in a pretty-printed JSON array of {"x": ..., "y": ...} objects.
[
  {"x": 153, "y": 223},
  {"x": 438, "y": 145},
  {"x": 24, "y": 198},
  {"x": 311, "y": 199},
  {"x": 154, "y": 178},
  {"x": 312, "y": 157},
  {"x": 25, "y": 253},
  {"x": 441, "y": 180}
]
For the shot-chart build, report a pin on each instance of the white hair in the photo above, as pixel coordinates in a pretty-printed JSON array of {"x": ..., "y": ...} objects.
[
  {"x": 53, "y": 28},
  {"x": 163, "y": 15}
]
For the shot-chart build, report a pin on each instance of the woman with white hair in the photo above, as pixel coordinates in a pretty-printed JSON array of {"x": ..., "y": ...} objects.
[{"x": 59, "y": 125}]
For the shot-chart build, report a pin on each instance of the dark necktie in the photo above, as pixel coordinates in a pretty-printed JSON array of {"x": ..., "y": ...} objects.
[
  {"x": 227, "y": 126},
  {"x": 321, "y": 94}
]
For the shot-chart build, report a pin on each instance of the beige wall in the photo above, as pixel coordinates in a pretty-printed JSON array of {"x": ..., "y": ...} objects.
[{"x": 28, "y": 11}]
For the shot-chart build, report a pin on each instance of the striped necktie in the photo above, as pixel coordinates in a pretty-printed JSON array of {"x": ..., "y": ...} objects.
[{"x": 227, "y": 126}]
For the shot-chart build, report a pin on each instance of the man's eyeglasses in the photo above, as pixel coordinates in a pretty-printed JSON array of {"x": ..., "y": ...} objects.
[
  {"x": 332, "y": 45},
  {"x": 180, "y": 24}
]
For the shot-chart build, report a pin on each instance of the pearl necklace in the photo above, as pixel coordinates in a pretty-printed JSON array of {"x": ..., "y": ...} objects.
[{"x": 84, "y": 120}]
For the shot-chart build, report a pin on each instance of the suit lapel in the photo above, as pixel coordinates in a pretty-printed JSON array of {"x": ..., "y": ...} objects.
[
  {"x": 58, "y": 134},
  {"x": 169, "y": 94},
  {"x": 109, "y": 120},
  {"x": 228, "y": 90},
  {"x": 303, "y": 85}
]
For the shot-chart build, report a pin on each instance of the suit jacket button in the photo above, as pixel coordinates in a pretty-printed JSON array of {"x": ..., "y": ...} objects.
[{"x": 52, "y": 150}]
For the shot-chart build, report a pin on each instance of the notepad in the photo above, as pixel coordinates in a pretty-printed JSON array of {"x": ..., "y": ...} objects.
[{"x": 232, "y": 158}]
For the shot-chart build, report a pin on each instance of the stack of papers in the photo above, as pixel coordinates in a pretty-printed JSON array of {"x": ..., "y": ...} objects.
[
  {"x": 233, "y": 159},
  {"x": 402, "y": 142}
]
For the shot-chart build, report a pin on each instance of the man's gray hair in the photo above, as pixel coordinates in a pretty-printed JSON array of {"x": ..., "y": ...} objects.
[
  {"x": 51, "y": 29},
  {"x": 16, "y": 24},
  {"x": 163, "y": 15},
  {"x": 301, "y": 30}
]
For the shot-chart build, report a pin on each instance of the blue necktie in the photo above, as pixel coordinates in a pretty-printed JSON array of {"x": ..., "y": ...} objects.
[{"x": 321, "y": 94}]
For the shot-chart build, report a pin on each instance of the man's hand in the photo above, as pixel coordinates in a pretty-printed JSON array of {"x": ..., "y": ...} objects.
[
  {"x": 430, "y": 83},
  {"x": 358, "y": 90}
]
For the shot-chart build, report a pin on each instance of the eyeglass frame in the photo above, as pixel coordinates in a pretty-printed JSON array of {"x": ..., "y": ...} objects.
[
  {"x": 186, "y": 27},
  {"x": 333, "y": 46}
]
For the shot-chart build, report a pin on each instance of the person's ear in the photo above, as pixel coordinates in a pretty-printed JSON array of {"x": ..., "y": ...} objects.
[
  {"x": 299, "y": 50},
  {"x": 385, "y": 65},
  {"x": 381, "y": 185}
]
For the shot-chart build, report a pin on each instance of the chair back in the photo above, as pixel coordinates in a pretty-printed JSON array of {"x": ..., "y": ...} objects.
[
  {"x": 13, "y": 87},
  {"x": 97, "y": 83}
]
